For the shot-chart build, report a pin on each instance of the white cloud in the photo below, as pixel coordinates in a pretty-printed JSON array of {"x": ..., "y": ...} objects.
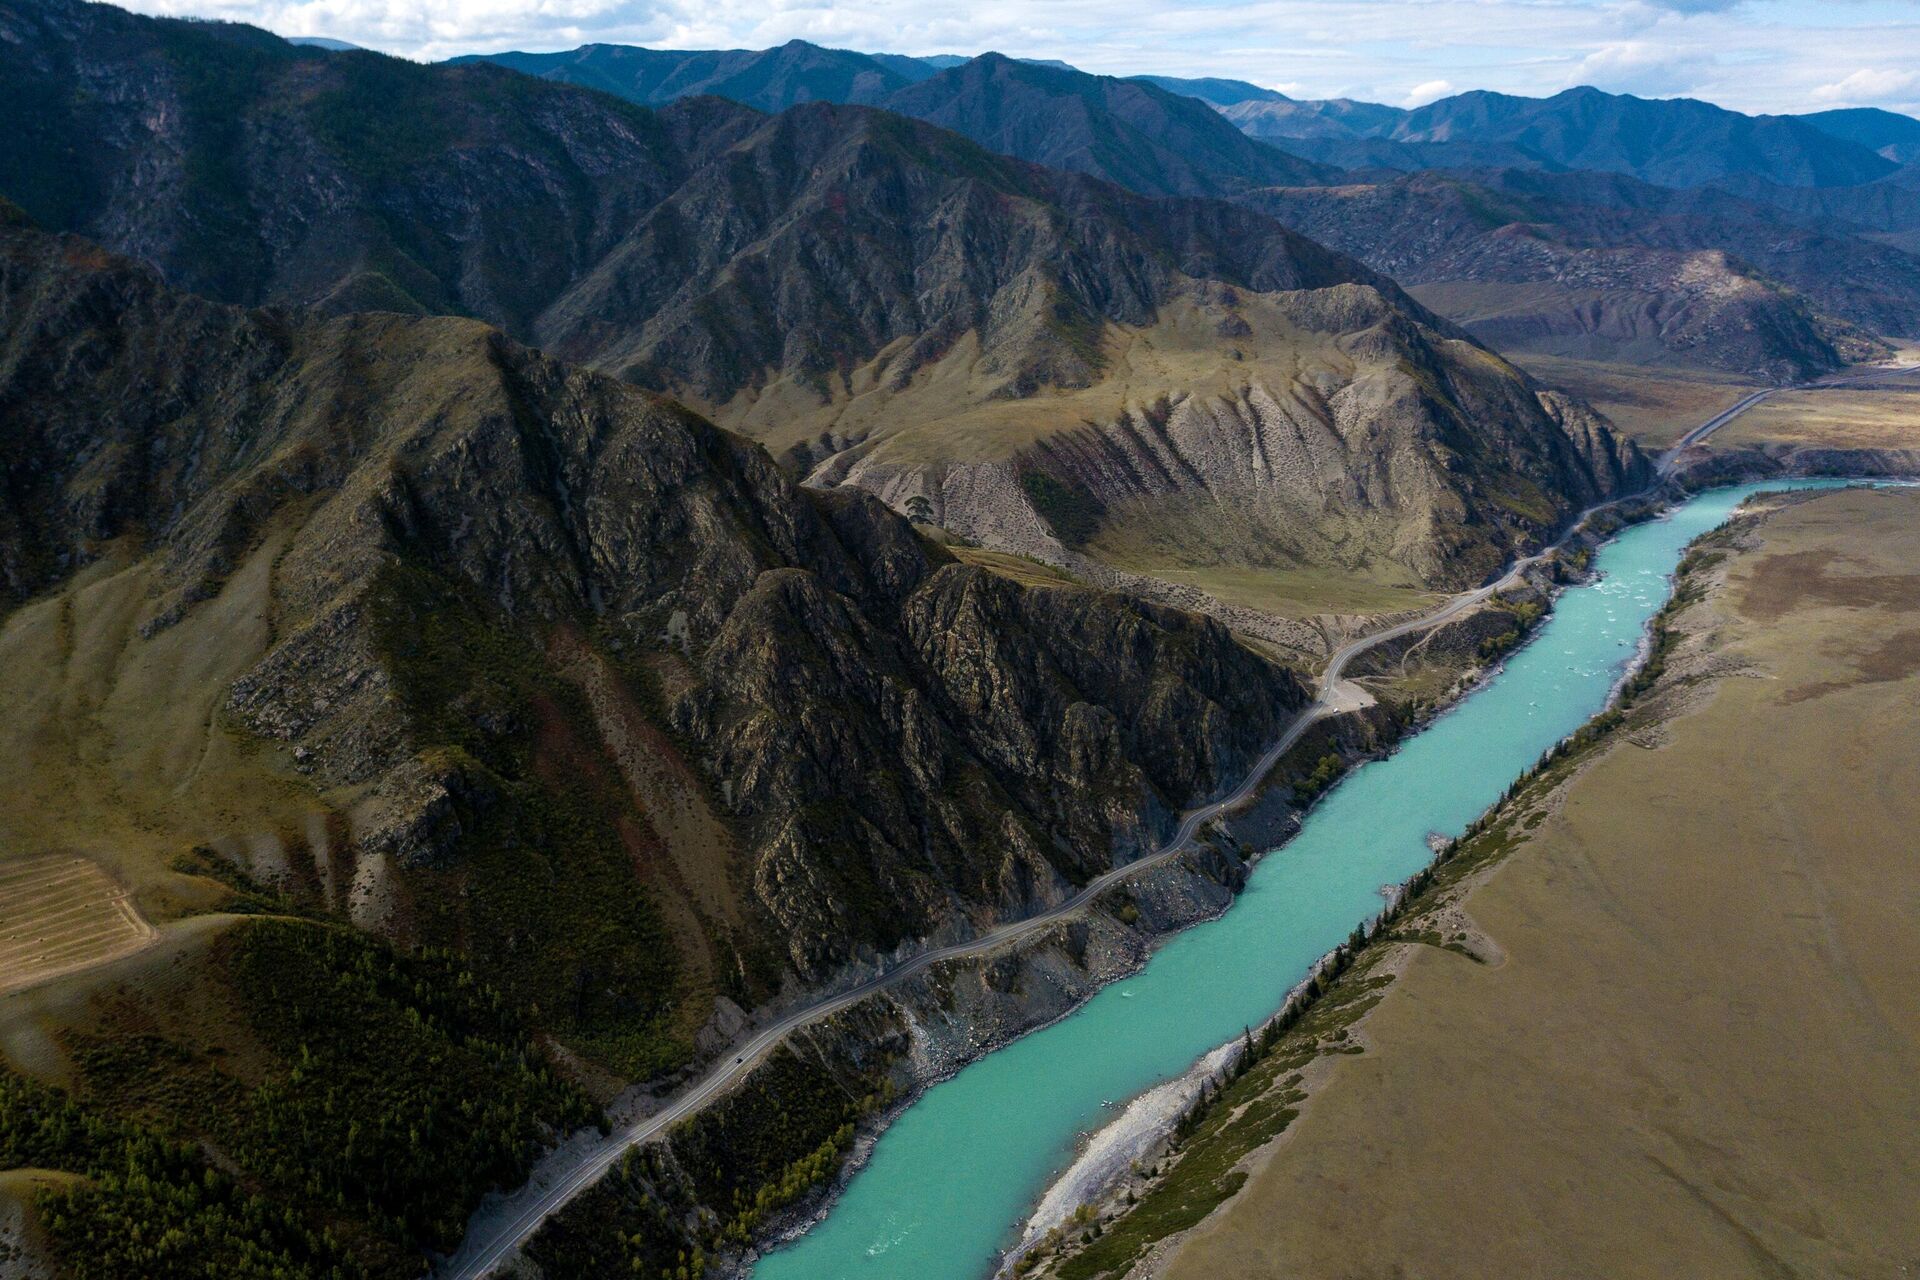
[
  {"x": 1421, "y": 94},
  {"x": 1646, "y": 67},
  {"x": 1871, "y": 86},
  {"x": 1697, "y": 6}
]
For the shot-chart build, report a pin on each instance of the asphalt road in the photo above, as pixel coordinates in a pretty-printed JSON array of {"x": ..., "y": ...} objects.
[
  {"x": 1707, "y": 428},
  {"x": 478, "y": 1257}
]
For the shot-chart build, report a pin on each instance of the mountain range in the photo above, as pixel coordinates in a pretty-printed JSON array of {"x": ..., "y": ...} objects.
[
  {"x": 1677, "y": 142},
  {"x": 523, "y": 566},
  {"x": 1765, "y": 246},
  {"x": 1040, "y": 354},
  {"x": 1134, "y": 132},
  {"x": 1673, "y": 142}
]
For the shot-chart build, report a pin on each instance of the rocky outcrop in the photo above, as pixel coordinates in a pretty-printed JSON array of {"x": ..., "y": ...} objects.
[
  {"x": 1641, "y": 305},
  {"x": 1704, "y": 468}
]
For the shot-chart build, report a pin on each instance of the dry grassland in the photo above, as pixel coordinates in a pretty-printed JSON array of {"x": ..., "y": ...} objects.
[
  {"x": 1655, "y": 406},
  {"x": 115, "y": 745},
  {"x": 1021, "y": 569},
  {"x": 955, "y": 409},
  {"x": 1302, "y": 592},
  {"x": 1700, "y": 1052},
  {"x": 1877, "y": 418}
]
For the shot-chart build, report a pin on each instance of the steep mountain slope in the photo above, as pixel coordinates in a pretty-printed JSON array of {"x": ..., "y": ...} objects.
[
  {"x": 1612, "y": 267},
  {"x": 1676, "y": 142},
  {"x": 1845, "y": 272},
  {"x": 521, "y": 625},
  {"x": 1606, "y": 267},
  {"x": 769, "y": 79},
  {"x": 1599, "y": 263},
  {"x": 1073, "y": 369},
  {"x": 257, "y": 171},
  {"x": 883, "y": 302},
  {"x": 1639, "y": 306},
  {"x": 827, "y": 236},
  {"x": 1890, "y": 205},
  {"x": 1134, "y": 132},
  {"x": 1126, "y": 131}
]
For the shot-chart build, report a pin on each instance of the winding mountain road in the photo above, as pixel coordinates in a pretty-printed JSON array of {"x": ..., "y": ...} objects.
[{"x": 490, "y": 1243}]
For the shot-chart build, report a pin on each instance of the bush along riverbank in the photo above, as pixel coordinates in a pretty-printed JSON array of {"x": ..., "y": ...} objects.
[{"x": 1203, "y": 1158}]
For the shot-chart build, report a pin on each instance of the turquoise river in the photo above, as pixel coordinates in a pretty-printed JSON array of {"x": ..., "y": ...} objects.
[{"x": 949, "y": 1183}]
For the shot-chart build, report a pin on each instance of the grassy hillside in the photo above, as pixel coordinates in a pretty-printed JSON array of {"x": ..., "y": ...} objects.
[{"x": 423, "y": 630}]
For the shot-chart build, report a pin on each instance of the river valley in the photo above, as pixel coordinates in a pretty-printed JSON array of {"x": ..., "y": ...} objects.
[{"x": 949, "y": 1182}]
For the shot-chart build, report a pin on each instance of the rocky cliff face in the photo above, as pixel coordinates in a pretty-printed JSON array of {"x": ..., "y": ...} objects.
[{"x": 497, "y": 580}]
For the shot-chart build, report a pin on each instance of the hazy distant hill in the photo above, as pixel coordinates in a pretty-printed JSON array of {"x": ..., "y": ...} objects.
[
  {"x": 770, "y": 79},
  {"x": 1284, "y": 118},
  {"x": 1127, "y": 131},
  {"x": 1675, "y": 142},
  {"x": 1889, "y": 133},
  {"x": 1220, "y": 93}
]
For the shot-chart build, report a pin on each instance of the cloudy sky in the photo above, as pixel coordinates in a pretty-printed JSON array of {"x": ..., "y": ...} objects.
[{"x": 1754, "y": 55}]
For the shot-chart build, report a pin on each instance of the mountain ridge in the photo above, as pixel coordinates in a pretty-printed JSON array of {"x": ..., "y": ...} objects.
[
  {"x": 841, "y": 282},
  {"x": 535, "y": 498},
  {"x": 1679, "y": 142}
]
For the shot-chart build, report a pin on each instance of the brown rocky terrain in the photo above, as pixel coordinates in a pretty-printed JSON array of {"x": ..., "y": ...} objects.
[
  {"x": 1531, "y": 273},
  {"x": 1577, "y": 265}
]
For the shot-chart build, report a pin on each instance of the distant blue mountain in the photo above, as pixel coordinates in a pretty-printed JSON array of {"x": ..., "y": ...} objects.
[
  {"x": 1213, "y": 91},
  {"x": 1889, "y": 133}
]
